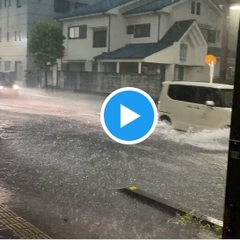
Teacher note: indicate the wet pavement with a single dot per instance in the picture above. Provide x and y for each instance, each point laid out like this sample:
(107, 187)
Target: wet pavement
(60, 171)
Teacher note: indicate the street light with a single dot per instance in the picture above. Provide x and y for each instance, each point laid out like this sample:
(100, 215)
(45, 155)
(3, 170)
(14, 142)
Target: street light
(234, 4)
(235, 7)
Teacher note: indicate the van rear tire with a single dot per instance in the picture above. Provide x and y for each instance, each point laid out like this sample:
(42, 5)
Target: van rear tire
(166, 120)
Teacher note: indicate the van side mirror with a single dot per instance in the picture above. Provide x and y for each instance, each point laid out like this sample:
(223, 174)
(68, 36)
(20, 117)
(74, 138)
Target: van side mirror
(210, 103)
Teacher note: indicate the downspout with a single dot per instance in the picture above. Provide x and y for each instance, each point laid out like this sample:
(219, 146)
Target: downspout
(159, 23)
(109, 32)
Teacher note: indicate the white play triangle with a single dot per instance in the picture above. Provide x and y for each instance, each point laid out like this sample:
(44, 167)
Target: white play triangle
(127, 116)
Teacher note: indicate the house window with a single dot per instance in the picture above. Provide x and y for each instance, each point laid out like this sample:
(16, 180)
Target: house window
(130, 29)
(83, 31)
(5, 3)
(0, 65)
(1, 4)
(142, 30)
(7, 65)
(8, 37)
(19, 3)
(218, 36)
(198, 8)
(100, 38)
(0, 34)
(79, 32)
(15, 36)
(193, 7)
(211, 36)
(73, 32)
(20, 36)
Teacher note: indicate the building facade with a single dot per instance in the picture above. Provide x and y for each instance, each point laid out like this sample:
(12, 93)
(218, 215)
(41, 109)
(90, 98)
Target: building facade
(16, 20)
(170, 37)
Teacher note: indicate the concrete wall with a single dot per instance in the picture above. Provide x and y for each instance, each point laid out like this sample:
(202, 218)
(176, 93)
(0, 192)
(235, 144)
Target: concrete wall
(109, 82)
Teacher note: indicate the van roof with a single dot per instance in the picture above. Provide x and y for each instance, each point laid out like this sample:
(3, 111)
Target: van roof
(200, 84)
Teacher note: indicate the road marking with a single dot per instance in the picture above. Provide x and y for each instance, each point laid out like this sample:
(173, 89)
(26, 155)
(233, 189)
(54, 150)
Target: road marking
(20, 226)
(133, 188)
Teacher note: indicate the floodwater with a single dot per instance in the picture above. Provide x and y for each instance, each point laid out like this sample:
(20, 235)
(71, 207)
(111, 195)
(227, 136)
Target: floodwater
(56, 156)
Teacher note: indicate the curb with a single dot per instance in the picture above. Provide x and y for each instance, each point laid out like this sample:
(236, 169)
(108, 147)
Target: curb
(20, 227)
(165, 205)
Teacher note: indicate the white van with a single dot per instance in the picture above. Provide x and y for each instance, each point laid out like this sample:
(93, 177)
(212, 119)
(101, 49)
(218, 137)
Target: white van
(196, 105)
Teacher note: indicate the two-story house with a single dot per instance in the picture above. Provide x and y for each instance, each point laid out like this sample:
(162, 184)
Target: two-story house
(16, 20)
(168, 37)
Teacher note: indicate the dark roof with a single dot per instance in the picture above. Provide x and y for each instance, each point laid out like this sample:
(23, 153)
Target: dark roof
(218, 2)
(140, 51)
(217, 52)
(177, 30)
(99, 7)
(134, 51)
(152, 6)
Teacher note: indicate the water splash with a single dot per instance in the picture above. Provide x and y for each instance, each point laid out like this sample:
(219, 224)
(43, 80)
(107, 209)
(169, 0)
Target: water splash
(206, 139)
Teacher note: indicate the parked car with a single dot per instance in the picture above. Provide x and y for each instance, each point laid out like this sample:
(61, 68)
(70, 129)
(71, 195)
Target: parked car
(196, 105)
(7, 86)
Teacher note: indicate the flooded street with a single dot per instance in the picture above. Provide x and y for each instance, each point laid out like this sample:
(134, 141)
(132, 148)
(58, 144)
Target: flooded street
(58, 168)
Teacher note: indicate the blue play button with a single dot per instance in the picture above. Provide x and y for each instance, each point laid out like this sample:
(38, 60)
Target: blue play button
(129, 116)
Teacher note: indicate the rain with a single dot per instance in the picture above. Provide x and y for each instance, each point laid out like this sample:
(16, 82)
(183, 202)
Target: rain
(71, 166)
(55, 154)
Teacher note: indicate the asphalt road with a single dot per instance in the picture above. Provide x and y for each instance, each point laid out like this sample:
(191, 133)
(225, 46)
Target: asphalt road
(59, 170)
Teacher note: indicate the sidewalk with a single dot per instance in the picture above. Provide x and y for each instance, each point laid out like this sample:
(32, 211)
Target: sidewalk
(14, 227)
(6, 233)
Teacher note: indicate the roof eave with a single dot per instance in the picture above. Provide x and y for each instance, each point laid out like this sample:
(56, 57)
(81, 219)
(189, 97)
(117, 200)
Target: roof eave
(121, 60)
(80, 16)
(137, 14)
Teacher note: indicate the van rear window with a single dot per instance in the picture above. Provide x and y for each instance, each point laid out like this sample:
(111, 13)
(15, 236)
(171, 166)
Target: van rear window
(194, 94)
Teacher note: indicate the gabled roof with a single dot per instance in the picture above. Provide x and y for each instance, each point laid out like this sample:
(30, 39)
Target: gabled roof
(101, 6)
(217, 52)
(152, 6)
(140, 51)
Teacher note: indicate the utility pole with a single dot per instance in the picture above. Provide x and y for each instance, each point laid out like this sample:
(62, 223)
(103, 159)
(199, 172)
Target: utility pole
(231, 224)
(224, 45)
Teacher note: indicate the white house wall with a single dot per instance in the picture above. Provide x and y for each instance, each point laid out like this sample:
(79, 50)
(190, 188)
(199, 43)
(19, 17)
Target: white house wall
(165, 56)
(82, 49)
(196, 51)
(145, 19)
(119, 37)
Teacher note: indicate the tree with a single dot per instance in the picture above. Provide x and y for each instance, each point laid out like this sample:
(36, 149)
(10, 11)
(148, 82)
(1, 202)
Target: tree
(46, 43)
